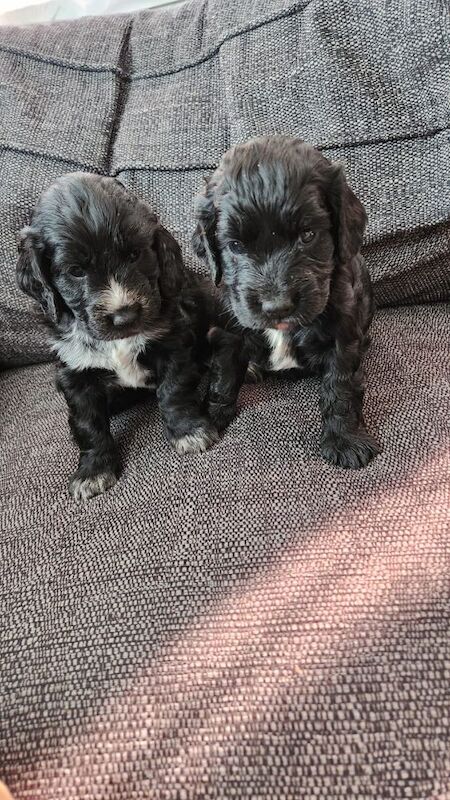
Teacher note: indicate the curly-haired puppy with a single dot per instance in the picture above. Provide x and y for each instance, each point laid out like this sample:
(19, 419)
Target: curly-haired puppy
(124, 315)
(280, 227)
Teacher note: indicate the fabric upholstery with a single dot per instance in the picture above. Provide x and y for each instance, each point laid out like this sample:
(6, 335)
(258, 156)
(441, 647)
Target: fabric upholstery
(251, 622)
(157, 97)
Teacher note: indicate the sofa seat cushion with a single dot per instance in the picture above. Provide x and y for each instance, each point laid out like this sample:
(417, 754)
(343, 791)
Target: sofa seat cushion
(247, 623)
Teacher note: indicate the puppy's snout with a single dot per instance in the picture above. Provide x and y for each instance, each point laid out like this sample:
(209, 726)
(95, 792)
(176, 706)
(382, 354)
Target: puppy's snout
(126, 316)
(278, 307)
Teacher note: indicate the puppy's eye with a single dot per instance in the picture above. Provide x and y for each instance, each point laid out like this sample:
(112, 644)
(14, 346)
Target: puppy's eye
(77, 272)
(236, 247)
(133, 256)
(307, 236)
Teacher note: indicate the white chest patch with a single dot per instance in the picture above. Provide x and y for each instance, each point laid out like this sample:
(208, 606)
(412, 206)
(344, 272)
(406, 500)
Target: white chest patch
(282, 350)
(79, 352)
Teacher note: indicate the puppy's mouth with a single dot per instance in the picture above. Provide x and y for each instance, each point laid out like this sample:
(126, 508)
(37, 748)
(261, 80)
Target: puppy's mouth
(300, 318)
(285, 326)
(112, 335)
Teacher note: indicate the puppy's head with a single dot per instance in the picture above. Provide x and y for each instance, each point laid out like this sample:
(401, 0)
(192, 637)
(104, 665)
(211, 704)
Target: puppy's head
(96, 252)
(276, 221)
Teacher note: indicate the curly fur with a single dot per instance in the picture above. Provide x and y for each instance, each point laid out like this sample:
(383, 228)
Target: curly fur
(123, 315)
(281, 230)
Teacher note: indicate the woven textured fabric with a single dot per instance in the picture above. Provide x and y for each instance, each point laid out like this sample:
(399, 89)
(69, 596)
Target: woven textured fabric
(156, 98)
(251, 622)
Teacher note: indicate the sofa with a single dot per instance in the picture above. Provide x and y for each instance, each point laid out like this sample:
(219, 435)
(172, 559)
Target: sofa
(250, 622)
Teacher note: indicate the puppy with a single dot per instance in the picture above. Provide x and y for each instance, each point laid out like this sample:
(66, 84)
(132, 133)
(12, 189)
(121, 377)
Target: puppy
(280, 227)
(124, 315)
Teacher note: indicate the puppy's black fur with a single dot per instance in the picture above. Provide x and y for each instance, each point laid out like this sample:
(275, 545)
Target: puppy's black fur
(124, 314)
(280, 227)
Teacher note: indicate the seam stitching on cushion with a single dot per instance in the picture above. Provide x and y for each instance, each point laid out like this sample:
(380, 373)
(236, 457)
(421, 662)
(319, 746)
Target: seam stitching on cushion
(60, 62)
(399, 137)
(51, 157)
(200, 167)
(299, 7)
(121, 95)
(412, 235)
(127, 76)
(327, 146)
(168, 168)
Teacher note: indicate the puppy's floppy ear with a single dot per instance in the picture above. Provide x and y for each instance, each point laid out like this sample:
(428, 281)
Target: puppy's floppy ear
(33, 274)
(171, 268)
(349, 216)
(204, 238)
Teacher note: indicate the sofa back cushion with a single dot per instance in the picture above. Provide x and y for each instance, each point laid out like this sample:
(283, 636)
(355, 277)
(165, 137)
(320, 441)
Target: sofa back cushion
(157, 97)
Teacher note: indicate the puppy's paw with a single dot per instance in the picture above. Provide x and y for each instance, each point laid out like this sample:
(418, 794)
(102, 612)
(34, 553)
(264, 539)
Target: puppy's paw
(83, 487)
(221, 414)
(219, 338)
(254, 373)
(350, 450)
(197, 441)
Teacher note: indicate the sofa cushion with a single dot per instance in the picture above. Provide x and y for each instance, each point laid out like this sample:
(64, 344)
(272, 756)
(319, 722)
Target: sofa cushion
(157, 97)
(251, 622)
(59, 90)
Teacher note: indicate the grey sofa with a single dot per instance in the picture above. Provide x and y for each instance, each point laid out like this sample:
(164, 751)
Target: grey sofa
(252, 622)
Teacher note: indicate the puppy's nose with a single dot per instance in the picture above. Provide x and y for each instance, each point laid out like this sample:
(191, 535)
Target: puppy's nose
(126, 316)
(278, 308)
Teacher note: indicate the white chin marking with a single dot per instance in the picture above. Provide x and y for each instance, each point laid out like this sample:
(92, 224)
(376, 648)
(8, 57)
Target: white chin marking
(82, 490)
(116, 296)
(282, 355)
(196, 442)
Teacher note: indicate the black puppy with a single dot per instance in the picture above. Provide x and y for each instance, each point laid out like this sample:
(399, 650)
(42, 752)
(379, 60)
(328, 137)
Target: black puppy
(124, 314)
(279, 225)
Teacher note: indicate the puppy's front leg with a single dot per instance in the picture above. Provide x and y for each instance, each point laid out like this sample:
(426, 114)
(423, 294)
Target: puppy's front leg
(345, 441)
(227, 371)
(89, 422)
(187, 428)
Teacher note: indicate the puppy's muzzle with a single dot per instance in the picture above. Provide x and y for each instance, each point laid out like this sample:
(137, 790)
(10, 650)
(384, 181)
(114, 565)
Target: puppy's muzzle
(271, 310)
(126, 316)
(278, 308)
